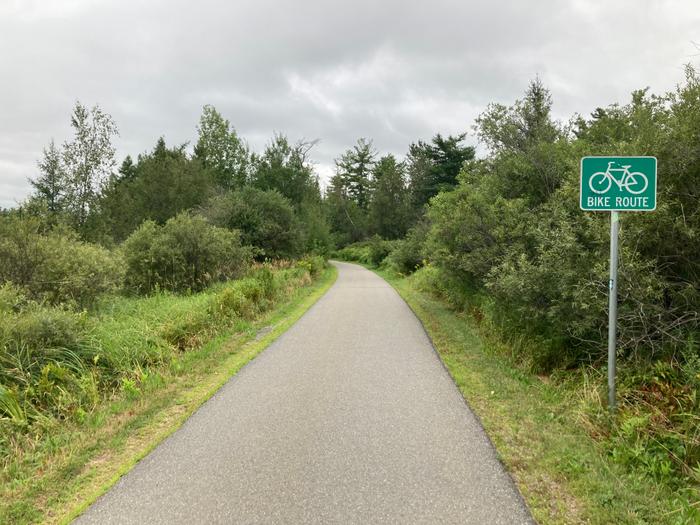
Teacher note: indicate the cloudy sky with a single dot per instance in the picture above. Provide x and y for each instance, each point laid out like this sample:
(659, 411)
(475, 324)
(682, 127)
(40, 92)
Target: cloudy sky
(395, 71)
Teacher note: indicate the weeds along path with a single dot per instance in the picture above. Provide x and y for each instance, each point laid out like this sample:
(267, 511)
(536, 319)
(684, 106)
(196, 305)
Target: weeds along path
(349, 417)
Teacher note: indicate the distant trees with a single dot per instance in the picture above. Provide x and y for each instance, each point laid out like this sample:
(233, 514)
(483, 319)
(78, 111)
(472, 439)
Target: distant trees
(286, 168)
(389, 207)
(72, 178)
(353, 172)
(221, 150)
(386, 197)
(433, 167)
(51, 185)
(158, 186)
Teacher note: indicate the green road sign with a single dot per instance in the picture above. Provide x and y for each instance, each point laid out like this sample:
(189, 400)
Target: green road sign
(618, 183)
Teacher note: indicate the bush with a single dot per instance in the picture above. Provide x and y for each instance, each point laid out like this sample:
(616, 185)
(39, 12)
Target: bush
(357, 252)
(265, 219)
(314, 264)
(44, 356)
(379, 249)
(408, 254)
(186, 253)
(55, 266)
(56, 363)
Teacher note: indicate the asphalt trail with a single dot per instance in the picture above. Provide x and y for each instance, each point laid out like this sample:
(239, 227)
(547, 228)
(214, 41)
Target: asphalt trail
(349, 417)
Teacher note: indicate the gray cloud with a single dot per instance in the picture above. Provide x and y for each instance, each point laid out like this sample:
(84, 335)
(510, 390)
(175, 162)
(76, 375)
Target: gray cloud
(393, 71)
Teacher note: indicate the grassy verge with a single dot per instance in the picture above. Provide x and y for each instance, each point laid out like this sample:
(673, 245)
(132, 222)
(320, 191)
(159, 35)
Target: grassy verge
(540, 430)
(53, 478)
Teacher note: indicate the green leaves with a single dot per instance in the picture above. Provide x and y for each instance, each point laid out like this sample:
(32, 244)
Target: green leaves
(186, 254)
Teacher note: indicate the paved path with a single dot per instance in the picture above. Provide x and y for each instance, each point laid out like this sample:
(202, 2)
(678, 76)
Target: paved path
(349, 417)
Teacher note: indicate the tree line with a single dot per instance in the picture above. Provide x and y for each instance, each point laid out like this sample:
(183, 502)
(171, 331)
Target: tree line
(507, 244)
(505, 226)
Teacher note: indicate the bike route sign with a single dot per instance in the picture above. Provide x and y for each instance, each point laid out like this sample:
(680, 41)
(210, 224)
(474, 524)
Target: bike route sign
(618, 183)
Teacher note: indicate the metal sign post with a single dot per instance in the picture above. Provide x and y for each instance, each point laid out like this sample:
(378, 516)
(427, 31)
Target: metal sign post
(616, 184)
(612, 307)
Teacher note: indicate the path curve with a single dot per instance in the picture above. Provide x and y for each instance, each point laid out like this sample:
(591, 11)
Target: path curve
(348, 417)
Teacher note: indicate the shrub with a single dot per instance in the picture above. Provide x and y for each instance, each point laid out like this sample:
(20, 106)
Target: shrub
(186, 253)
(357, 252)
(408, 254)
(265, 219)
(55, 266)
(379, 249)
(44, 353)
(314, 264)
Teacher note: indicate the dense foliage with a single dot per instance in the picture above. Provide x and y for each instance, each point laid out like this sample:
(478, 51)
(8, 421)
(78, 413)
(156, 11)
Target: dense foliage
(58, 363)
(265, 219)
(55, 266)
(500, 236)
(186, 253)
(505, 240)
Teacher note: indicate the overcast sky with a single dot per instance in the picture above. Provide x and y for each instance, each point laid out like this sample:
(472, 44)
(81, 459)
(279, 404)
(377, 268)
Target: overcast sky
(393, 71)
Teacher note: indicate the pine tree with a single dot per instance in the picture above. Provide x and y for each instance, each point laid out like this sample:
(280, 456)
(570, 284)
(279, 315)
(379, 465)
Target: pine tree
(50, 186)
(389, 207)
(354, 168)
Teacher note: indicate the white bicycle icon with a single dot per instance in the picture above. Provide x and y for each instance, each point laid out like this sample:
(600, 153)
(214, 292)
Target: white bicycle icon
(634, 182)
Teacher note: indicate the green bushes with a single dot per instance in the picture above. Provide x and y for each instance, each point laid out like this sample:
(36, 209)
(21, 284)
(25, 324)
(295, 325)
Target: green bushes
(372, 251)
(314, 264)
(510, 246)
(55, 266)
(58, 364)
(184, 254)
(379, 249)
(356, 252)
(265, 219)
(44, 360)
(408, 254)
(512, 231)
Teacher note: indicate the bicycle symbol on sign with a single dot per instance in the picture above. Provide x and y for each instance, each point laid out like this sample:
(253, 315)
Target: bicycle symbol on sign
(634, 182)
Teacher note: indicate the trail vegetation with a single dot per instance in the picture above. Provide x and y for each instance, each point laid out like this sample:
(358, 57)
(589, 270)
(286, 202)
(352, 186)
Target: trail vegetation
(111, 271)
(503, 241)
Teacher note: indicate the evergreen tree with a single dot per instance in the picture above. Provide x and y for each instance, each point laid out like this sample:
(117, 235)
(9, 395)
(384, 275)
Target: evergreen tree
(159, 186)
(433, 167)
(50, 186)
(354, 168)
(286, 168)
(347, 220)
(389, 207)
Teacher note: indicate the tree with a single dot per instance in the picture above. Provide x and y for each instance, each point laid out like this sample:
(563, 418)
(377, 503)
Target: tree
(160, 185)
(433, 167)
(88, 160)
(220, 149)
(389, 207)
(528, 148)
(286, 168)
(521, 126)
(266, 220)
(354, 169)
(50, 186)
(347, 220)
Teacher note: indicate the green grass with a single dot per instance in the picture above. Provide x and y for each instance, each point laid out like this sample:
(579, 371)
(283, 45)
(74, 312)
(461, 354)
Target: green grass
(51, 475)
(541, 430)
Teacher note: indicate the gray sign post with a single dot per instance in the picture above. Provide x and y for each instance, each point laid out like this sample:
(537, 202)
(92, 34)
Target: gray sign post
(612, 306)
(616, 184)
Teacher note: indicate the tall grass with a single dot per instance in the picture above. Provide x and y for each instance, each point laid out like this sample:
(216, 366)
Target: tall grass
(57, 364)
(656, 431)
